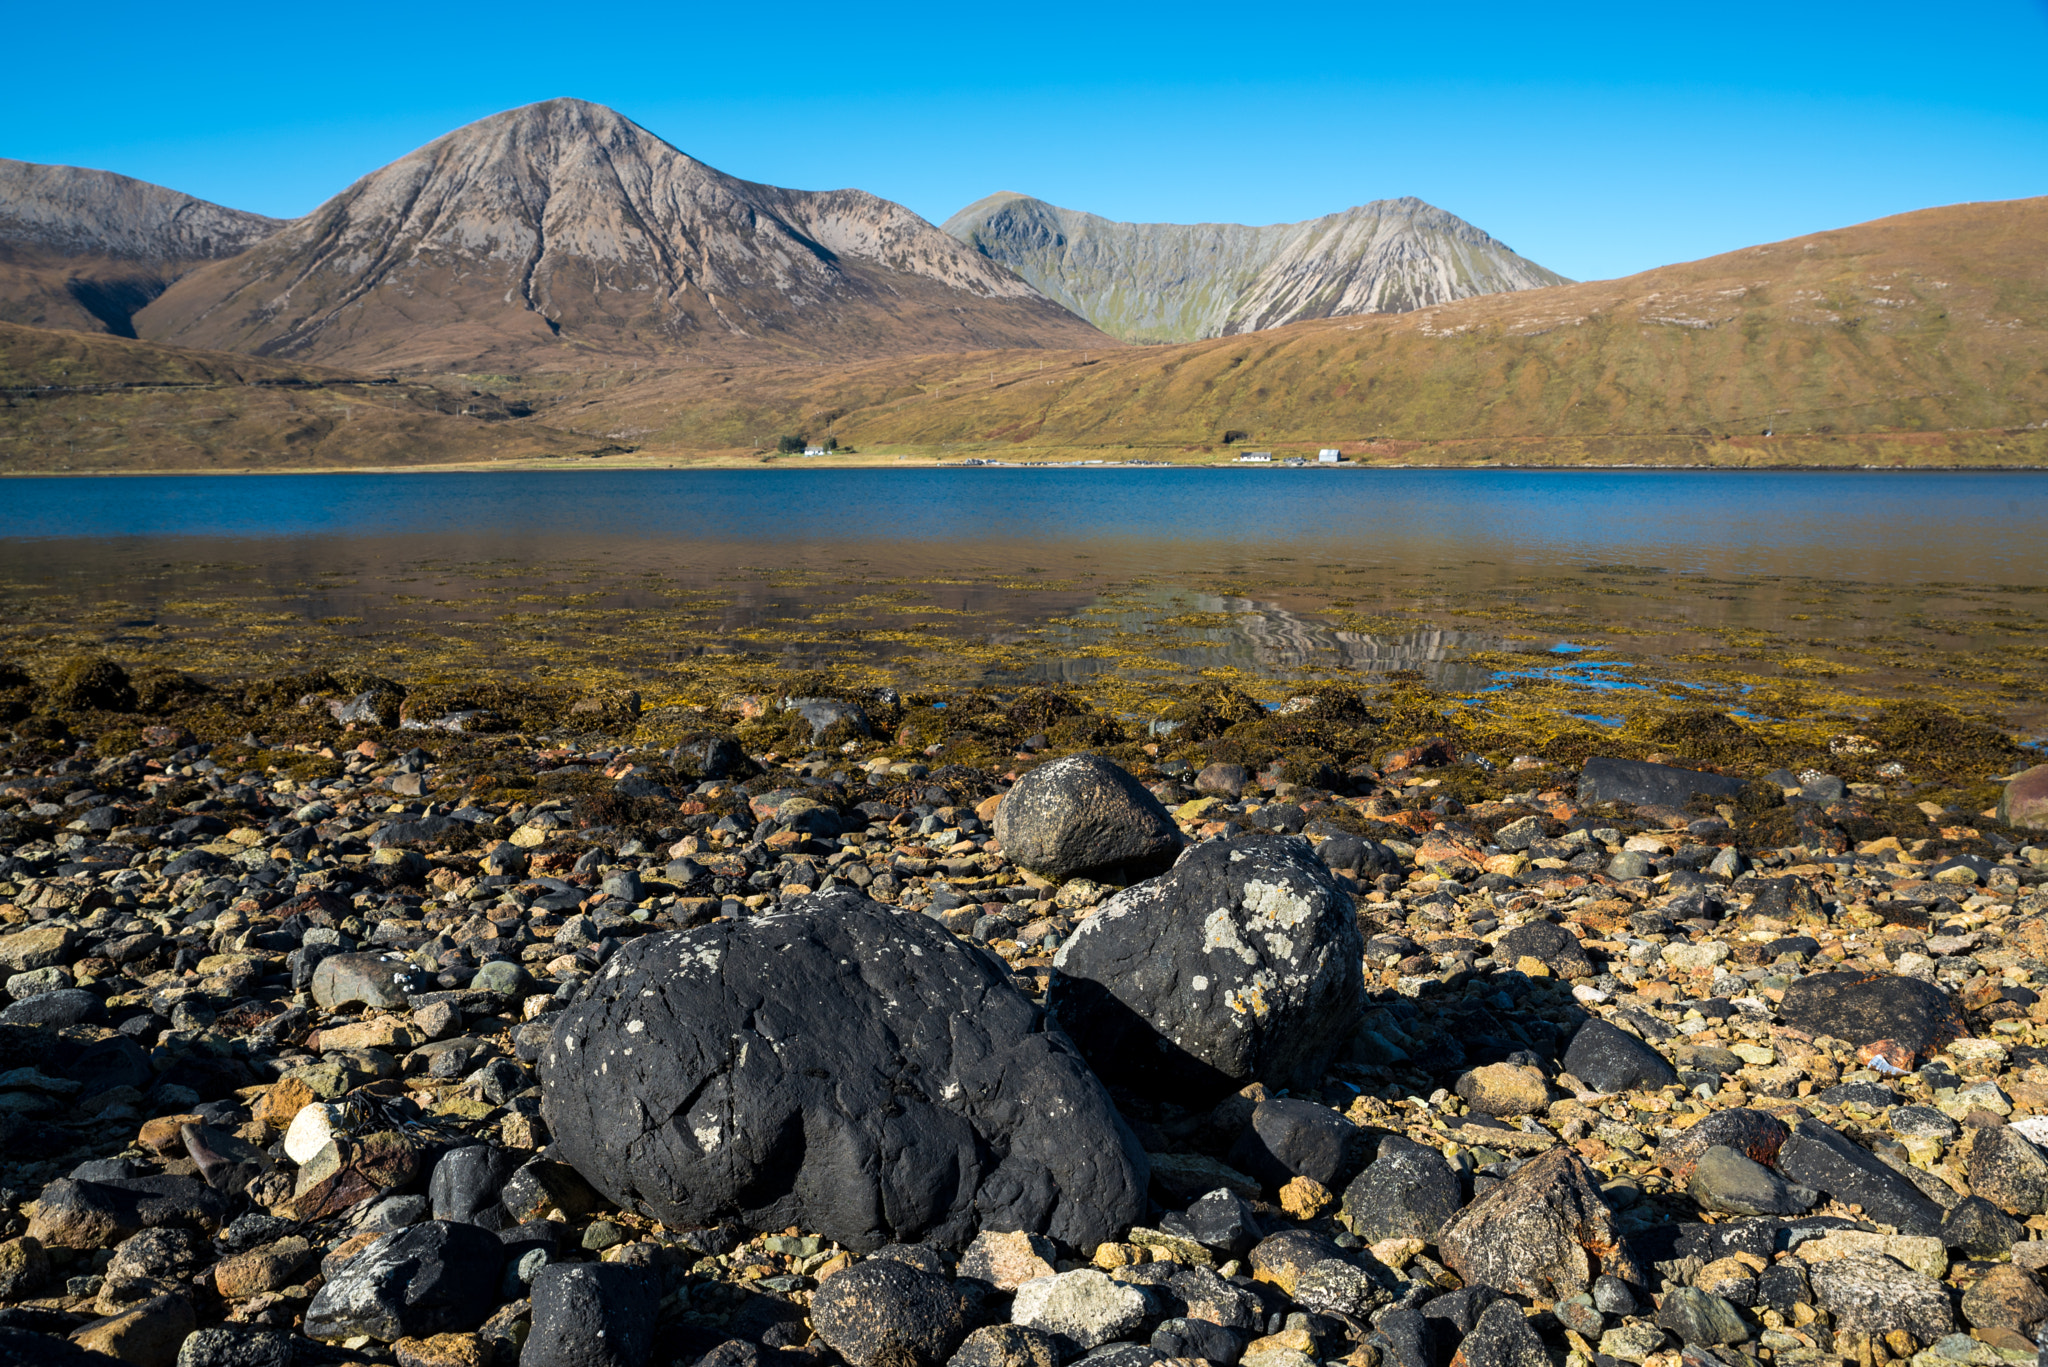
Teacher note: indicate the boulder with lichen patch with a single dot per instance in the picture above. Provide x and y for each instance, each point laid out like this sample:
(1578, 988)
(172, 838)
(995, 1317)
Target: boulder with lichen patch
(1082, 816)
(840, 1067)
(1242, 964)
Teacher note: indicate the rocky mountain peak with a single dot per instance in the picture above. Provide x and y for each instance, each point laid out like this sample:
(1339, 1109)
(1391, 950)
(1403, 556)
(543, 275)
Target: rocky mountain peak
(566, 220)
(71, 211)
(1167, 282)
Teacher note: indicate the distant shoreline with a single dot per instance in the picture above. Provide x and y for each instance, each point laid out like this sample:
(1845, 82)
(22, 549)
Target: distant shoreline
(613, 464)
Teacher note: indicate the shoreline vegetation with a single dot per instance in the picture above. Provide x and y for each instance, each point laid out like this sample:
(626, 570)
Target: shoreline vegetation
(1906, 452)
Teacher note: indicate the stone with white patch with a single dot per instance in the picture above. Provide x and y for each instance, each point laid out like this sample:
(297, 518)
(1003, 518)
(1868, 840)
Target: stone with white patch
(1084, 816)
(902, 1090)
(1243, 963)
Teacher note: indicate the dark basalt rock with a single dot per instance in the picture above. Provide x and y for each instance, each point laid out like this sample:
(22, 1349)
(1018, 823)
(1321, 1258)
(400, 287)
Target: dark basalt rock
(1609, 1059)
(1861, 1008)
(1408, 1191)
(592, 1315)
(1641, 784)
(434, 1278)
(1221, 1220)
(1290, 1138)
(840, 1067)
(888, 1312)
(1083, 816)
(1819, 1157)
(1243, 963)
(1556, 947)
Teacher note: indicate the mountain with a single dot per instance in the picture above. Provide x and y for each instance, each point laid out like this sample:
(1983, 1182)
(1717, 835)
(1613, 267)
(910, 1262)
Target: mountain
(1928, 330)
(1181, 282)
(1920, 339)
(562, 233)
(84, 250)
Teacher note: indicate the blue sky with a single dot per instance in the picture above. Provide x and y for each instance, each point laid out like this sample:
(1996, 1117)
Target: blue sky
(1597, 139)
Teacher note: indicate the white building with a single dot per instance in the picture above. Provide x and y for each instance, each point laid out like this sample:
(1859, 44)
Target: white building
(1256, 458)
(1329, 455)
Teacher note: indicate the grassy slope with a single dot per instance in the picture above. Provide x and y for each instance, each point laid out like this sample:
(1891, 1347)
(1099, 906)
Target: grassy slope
(172, 408)
(1920, 324)
(1916, 339)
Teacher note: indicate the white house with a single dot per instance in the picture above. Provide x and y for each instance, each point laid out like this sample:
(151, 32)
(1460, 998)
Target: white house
(1256, 458)
(814, 450)
(1329, 455)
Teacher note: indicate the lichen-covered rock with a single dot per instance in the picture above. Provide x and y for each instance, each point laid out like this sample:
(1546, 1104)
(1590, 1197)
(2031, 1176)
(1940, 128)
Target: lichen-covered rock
(2008, 1171)
(1546, 1232)
(1083, 816)
(1080, 1310)
(1871, 1294)
(1244, 963)
(886, 1311)
(842, 1068)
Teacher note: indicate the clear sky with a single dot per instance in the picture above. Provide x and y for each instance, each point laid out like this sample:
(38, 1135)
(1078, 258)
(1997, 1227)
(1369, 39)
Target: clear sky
(1597, 139)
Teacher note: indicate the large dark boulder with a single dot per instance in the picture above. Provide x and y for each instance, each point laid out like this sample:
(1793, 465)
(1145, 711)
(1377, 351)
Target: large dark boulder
(1084, 816)
(1244, 963)
(841, 1067)
(1643, 784)
(1866, 1008)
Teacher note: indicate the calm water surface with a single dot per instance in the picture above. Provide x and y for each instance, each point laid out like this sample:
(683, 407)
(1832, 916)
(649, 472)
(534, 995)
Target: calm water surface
(1878, 582)
(1898, 526)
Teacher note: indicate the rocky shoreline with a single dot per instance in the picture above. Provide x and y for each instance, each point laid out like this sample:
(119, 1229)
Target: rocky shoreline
(459, 1026)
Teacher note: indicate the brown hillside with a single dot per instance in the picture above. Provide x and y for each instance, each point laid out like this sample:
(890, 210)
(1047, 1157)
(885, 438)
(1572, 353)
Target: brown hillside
(1916, 339)
(85, 249)
(1924, 322)
(563, 235)
(81, 401)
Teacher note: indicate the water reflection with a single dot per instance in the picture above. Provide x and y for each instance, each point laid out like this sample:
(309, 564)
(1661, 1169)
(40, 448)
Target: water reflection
(1830, 582)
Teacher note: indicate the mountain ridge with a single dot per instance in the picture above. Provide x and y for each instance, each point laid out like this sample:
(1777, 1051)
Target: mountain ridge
(1180, 282)
(563, 227)
(84, 250)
